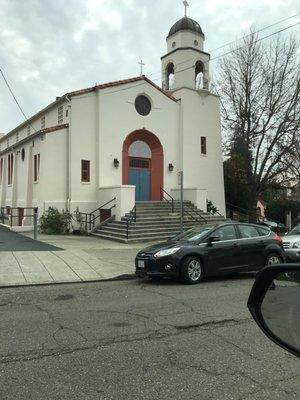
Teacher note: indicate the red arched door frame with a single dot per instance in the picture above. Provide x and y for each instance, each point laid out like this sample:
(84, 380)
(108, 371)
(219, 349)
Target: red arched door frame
(157, 160)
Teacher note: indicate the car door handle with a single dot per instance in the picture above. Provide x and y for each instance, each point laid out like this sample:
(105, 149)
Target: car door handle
(235, 245)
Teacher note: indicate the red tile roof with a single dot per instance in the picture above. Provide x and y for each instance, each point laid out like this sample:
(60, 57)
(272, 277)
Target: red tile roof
(118, 83)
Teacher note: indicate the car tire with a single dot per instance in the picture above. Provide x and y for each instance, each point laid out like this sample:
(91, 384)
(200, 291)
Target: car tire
(191, 270)
(273, 259)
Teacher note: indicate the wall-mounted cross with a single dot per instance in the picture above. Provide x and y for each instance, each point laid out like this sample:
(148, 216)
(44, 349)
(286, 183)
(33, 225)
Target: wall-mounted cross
(186, 4)
(141, 64)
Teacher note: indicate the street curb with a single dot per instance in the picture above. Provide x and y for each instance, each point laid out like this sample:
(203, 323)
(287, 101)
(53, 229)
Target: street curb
(124, 277)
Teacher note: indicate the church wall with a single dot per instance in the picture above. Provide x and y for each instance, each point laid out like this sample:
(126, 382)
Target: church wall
(84, 138)
(118, 118)
(201, 117)
(51, 191)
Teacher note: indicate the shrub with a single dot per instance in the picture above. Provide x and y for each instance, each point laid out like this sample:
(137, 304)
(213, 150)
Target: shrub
(54, 222)
(211, 209)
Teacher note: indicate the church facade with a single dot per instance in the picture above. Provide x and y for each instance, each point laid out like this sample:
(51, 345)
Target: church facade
(126, 140)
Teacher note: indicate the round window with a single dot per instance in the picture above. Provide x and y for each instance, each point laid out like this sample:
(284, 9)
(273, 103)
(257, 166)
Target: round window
(142, 105)
(23, 154)
(173, 44)
(196, 42)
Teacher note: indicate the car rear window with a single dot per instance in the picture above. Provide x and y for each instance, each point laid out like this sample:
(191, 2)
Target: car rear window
(248, 231)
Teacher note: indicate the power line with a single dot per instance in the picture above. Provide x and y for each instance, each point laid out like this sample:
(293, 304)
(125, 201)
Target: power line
(14, 97)
(236, 41)
(185, 69)
(260, 30)
(215, 58)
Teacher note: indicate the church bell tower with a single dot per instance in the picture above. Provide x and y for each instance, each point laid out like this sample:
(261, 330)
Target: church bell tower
(186, 64)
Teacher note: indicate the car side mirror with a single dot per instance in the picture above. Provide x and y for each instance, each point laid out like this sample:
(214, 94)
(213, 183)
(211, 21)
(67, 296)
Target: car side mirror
(274, 303)
(212, 239)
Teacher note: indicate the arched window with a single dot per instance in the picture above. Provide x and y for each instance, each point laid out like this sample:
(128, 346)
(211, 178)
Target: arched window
(199, 75)
(170, 78)
(139, 149)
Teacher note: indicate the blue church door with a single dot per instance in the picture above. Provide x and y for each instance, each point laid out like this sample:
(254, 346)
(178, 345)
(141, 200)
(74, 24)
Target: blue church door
(139, 176)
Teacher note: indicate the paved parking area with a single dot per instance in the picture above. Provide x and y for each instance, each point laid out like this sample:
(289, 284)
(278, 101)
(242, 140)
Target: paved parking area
(12, 241)
(61, 259)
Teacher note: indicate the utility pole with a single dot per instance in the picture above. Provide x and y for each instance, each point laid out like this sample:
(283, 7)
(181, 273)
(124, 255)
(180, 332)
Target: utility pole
(181, 199)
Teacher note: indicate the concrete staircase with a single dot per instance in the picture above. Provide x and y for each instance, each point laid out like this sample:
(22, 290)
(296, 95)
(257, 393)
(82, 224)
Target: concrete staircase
(154, 221)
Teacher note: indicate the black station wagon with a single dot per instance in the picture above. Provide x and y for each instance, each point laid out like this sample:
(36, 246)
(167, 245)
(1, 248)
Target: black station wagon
(209, 250)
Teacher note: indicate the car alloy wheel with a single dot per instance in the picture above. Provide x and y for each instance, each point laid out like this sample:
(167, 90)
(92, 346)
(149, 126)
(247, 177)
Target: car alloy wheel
(192, 270)
(273, 259)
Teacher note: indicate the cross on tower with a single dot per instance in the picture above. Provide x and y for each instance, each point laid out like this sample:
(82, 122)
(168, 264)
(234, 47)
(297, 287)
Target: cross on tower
(141, 64)
(186, 4)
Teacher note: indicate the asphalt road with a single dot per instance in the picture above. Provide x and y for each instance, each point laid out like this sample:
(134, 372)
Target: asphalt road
(13, 241)
(139, 340)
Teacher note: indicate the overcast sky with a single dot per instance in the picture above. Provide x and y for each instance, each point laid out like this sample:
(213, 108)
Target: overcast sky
(49, 47)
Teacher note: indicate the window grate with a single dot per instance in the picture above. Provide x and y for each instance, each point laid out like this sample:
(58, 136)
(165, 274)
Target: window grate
(43, 122)
(139, 163)
(60, 114)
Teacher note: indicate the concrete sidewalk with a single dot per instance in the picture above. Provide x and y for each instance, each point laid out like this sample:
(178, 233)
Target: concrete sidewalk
(81, 259)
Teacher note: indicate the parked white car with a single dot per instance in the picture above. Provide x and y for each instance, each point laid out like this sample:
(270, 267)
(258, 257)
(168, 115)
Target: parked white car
(291, 243)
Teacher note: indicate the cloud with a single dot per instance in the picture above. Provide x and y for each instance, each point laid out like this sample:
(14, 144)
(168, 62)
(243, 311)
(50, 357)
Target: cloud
(50, 47)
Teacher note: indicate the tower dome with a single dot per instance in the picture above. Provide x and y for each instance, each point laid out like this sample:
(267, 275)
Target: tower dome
(186, 24)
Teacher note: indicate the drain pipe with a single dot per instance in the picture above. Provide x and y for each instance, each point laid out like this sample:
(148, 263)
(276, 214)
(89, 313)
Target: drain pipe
(69, 193)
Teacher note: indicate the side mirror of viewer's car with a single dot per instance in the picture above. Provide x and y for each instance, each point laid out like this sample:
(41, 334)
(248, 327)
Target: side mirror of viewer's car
(274, 303)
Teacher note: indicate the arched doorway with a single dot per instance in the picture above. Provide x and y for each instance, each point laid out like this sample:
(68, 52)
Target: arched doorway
(142, 164)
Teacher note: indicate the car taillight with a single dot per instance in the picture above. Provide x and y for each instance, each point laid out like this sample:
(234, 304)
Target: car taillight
(278, 240)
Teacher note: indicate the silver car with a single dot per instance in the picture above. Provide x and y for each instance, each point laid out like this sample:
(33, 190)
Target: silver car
(291, 244)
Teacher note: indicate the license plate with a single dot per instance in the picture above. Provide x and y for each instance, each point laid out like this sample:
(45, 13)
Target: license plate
(141, 263)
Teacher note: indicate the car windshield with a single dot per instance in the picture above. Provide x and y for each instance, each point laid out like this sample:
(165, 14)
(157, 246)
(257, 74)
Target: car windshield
(294, 231)
(195, 233)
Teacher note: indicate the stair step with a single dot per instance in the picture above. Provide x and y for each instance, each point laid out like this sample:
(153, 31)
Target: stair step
(155, 221)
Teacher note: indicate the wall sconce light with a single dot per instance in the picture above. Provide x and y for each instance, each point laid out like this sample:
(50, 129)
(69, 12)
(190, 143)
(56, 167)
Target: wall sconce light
(171, 167)
(116, 163)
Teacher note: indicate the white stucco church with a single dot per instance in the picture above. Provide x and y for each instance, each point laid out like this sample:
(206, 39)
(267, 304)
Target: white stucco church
(124, 139)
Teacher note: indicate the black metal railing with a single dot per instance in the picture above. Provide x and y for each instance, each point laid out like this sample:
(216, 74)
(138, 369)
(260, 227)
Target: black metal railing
(10, 214)
(194, 213)
(131, 218)
(89, 219)
(165, 196)
(241, 214)
(188, 209)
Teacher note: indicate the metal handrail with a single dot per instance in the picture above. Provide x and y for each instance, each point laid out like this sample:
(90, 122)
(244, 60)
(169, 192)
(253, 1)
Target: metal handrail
(202, 219)
(129, 219)
(11, 215)
(91, 217)
(246, 213)
(185, 205)
(162, 197)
